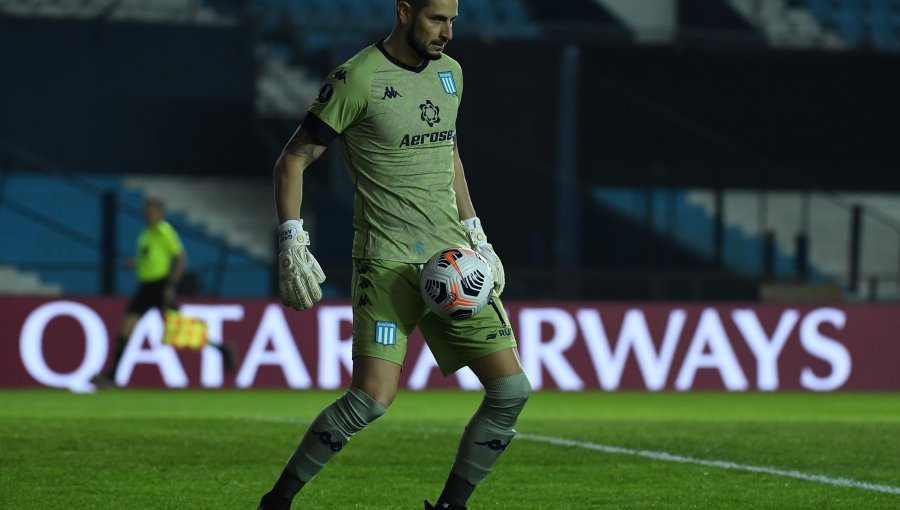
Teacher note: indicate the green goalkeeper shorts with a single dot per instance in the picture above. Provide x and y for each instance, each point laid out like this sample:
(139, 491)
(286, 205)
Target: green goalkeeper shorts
(387, 308)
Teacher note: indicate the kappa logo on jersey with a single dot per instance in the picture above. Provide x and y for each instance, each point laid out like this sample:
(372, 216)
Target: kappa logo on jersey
(390, 93)
(325, 93)
(431, 113)
(448, 82)
(341, 75)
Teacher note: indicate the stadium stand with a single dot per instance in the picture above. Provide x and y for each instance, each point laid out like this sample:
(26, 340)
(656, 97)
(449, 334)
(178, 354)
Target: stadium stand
(875, 23)
(671, 105)
(14, 281)
(155, 11)
(233, 209)
(301, 39)
(687, 216)
(678, 218)
(52, 228)
(788, 24)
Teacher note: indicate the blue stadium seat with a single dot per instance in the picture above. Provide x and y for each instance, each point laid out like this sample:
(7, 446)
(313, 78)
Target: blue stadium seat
(512, 12)
(821, 9)
(862, 21)
(482, 13)
(70, 256)
(884, 23)
(691, 227)
(848, 17)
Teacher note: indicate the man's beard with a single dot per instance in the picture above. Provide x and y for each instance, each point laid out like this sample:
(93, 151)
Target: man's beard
(420, 49)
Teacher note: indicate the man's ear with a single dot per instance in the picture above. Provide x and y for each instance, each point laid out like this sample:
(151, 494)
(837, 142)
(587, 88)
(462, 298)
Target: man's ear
(404, 12)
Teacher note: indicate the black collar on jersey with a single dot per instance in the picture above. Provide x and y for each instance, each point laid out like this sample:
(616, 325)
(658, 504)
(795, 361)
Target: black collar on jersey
(380, 46)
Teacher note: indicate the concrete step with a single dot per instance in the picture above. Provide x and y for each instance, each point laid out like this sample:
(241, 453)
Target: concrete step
(240, 210)
(23, 283)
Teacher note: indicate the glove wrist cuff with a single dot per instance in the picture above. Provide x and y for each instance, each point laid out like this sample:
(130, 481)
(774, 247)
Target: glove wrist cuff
(297, 223)
(291, 233)
(474, 231)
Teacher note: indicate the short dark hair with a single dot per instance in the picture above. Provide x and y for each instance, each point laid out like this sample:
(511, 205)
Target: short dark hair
(155, 202)
(418, 5)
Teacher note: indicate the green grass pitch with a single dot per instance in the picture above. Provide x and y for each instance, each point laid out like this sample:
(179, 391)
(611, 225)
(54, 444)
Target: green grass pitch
(145, 449)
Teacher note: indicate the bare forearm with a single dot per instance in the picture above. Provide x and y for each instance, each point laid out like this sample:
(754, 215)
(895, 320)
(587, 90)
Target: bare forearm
(177, 271)
(288, 180)
(300, 152)
(463, 199)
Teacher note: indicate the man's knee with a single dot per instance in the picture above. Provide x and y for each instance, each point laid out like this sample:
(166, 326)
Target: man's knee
(506, 396)
(356, 409)
(377, 378)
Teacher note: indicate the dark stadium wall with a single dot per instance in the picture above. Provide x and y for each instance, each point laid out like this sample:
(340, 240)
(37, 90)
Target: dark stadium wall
(686, 116)
(128, 97)
(673, 116)
(507, 138)
(740, 118)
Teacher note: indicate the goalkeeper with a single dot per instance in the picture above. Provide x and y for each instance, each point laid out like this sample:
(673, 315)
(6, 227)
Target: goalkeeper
(394, 107)
(159, 264)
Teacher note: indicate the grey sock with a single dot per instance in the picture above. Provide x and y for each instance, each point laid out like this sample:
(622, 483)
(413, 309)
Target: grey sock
(331, 430)
(491, 428)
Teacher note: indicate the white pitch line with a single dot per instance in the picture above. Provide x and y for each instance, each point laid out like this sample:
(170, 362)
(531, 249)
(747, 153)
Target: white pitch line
(837, 482)
(668, 457)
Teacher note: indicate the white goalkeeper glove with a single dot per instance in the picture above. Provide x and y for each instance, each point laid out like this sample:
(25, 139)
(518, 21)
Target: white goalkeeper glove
(479, 243)
(299, 274)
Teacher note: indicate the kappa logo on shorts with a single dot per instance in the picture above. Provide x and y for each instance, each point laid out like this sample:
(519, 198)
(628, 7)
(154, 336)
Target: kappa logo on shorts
(385, 333)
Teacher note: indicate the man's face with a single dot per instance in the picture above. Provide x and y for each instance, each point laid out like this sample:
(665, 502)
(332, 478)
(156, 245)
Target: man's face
(432, 28)
(152, 213)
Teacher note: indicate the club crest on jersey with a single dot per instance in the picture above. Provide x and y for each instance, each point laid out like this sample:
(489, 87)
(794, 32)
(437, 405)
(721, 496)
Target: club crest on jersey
(385, 333)
(448, 82)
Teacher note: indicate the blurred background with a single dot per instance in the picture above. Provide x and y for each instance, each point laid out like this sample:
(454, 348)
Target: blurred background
(616, 149)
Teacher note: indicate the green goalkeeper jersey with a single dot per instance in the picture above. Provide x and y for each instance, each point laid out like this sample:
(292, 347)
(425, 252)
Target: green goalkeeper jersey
(396, 125)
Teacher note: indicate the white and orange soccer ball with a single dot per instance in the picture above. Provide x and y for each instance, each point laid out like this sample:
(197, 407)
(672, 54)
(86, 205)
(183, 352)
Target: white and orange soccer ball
(456, 283)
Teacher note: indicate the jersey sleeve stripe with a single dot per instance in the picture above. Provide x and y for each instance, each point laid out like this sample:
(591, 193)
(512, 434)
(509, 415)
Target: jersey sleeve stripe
(319, 129)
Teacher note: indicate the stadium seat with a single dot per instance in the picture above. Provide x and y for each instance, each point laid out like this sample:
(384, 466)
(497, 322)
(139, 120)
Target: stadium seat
(70, 256)
(876, 22)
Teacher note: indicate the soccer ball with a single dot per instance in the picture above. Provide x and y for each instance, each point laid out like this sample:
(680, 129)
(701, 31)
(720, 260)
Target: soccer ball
(456, 283)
